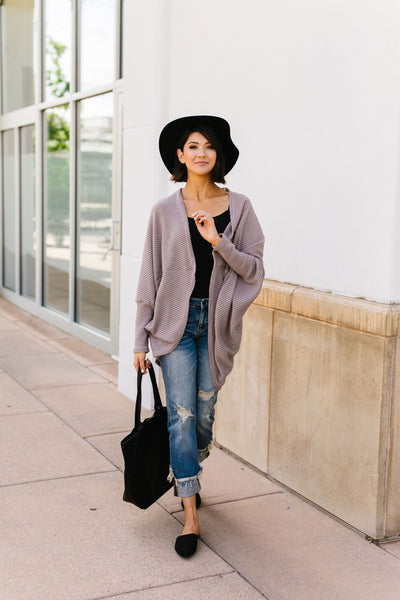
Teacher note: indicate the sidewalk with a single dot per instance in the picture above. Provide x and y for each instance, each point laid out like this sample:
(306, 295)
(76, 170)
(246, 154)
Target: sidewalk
(66, 534)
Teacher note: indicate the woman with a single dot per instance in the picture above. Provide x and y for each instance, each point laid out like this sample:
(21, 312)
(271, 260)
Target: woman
(202, 268)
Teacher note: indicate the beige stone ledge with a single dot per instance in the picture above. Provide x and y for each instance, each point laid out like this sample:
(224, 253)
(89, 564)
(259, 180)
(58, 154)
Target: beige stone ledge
(276, 295)
(355, 313)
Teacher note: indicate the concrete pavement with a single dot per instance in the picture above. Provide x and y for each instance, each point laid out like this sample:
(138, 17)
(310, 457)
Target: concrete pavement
(66, 534)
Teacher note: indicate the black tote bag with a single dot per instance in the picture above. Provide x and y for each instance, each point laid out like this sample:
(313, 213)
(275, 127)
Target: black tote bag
(146, 452)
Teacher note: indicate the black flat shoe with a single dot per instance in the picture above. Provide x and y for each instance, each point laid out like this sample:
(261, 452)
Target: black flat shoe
(198, 500)
(186, 545)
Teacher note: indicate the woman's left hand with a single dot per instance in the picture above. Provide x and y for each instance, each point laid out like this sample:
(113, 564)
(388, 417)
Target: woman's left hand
(206, 226)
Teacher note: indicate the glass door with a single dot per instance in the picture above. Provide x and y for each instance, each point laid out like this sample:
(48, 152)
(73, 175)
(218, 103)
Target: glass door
(94, 212)
(56, 209)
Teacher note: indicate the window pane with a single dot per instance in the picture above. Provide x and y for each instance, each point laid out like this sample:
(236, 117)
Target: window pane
(18, 48)
(97, 43)
(94, 211)
(57, 240)
(28, 213)
(58, 47)
(9, 210)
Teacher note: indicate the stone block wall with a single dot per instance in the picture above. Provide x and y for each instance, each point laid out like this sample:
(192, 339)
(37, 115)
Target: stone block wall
(312, 401)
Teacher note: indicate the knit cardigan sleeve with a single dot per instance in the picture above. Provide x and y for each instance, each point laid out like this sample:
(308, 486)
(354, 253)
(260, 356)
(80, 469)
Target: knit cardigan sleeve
(248, 261)
(147, 287)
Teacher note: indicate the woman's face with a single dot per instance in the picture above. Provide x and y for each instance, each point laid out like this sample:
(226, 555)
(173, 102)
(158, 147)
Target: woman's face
(198, 154)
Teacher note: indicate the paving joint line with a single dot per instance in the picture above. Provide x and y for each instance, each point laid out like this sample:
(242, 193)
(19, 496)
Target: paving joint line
(388, 552)
(234, 500)
(155, 587)
(112, 362)
(67, 385)
(85, 437)
(18, 355)
(57, 478)
(28, 412)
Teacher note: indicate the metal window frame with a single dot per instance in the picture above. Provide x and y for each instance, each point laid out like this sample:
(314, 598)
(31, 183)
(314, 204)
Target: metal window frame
(17, 209)
(1, 62)
(21, 271)
(1, 209)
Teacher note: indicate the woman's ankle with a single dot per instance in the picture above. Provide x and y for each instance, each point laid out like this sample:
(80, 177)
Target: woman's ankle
(189, 503)
(191, 526)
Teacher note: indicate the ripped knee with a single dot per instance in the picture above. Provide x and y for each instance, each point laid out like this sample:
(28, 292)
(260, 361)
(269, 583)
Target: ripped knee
(204, 395)
(183, 412)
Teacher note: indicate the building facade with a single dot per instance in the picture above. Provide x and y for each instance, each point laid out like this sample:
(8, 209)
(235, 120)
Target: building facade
(312, 92)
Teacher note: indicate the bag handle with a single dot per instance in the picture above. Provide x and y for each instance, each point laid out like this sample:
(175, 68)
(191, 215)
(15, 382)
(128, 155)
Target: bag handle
(157, 399)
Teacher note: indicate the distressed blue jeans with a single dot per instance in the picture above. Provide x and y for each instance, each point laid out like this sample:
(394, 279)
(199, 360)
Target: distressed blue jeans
(191, 399)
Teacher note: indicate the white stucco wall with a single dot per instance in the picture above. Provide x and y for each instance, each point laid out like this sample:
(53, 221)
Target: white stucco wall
(312, 92)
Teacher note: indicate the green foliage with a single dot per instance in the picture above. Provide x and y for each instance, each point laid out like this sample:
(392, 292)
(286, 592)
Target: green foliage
(58, 128)
(57, 131)
(56, 79)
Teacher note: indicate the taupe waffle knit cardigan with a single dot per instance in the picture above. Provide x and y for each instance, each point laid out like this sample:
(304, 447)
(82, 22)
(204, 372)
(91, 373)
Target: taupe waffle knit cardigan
(167, 279)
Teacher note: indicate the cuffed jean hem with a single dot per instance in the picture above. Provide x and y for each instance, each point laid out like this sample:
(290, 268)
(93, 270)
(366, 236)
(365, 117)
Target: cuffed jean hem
(188, 486)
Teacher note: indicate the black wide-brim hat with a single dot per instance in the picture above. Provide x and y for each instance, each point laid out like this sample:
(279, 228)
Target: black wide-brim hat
(169, 138)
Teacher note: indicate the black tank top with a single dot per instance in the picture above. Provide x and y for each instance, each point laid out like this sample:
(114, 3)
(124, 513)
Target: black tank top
(203, 254)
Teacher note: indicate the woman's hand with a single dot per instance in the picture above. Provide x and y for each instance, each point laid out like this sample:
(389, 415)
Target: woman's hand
(139, 361)
(206, 226)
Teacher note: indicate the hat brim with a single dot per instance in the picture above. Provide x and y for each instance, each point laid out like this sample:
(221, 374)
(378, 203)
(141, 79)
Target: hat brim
(169, 138)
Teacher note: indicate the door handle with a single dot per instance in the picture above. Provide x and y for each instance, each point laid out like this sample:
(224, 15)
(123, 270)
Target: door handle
(115, 234)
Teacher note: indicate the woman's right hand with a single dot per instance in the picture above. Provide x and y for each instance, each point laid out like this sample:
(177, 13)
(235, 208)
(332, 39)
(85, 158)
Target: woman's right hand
(139, 361)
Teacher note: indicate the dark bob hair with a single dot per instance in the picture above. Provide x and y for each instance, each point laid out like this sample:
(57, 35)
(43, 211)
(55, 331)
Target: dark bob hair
(217, 175)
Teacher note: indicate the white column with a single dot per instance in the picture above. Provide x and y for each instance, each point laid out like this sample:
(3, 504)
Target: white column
(145, 109)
